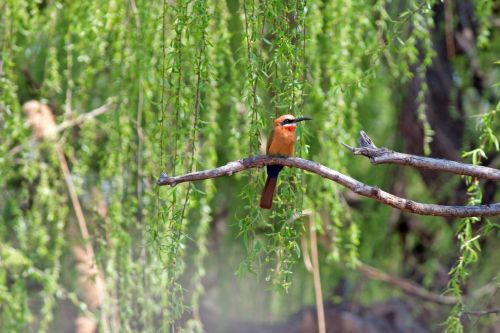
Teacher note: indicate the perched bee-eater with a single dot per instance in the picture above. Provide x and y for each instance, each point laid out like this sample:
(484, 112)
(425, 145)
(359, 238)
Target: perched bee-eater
(280, 143)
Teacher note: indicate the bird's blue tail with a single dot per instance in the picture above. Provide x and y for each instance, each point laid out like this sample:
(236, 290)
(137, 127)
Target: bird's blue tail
(274, 170)
(266, 199)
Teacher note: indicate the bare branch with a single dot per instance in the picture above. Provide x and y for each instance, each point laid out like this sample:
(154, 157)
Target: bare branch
(63, 126)
(84, 117)
(411, 288)
(482, 312)
(351, 183)
(407, 286)
(387, 156)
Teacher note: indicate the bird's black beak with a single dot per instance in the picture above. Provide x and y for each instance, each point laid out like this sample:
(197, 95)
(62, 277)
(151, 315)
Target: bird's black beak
(302, 119)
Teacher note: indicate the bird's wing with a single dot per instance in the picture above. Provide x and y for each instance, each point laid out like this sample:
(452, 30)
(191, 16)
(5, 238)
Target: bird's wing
(269, 140)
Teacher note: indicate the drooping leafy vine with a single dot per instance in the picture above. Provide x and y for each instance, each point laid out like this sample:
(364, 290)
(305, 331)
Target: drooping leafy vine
(468, 240)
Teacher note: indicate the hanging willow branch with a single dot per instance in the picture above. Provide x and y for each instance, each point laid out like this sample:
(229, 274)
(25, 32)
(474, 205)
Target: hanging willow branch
(368, 149)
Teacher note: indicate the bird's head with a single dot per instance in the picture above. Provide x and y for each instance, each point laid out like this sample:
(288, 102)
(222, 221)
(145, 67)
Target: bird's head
(288, 121)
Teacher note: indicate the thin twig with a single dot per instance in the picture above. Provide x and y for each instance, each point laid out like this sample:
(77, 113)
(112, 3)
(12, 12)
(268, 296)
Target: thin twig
(305, 253)
(317, 279)
(488, 289)
(84, 117)
(65, 125)
(407, 286)
(482, 312)
(346, 181)
(80, 217)
(312, 265)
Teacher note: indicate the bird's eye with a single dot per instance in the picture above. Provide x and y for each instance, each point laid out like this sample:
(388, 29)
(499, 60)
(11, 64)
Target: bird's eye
(286, 121)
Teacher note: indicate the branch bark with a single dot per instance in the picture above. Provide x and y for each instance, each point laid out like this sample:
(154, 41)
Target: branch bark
(344, 180)
(387, 156)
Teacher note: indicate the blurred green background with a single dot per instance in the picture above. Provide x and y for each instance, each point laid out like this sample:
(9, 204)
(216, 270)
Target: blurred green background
(189, 85)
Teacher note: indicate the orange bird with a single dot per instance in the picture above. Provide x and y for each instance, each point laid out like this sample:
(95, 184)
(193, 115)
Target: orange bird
(280, 143)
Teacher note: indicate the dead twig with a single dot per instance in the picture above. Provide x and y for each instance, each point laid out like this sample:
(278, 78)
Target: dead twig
(44, 131)
(84, 117)
(482, 312)
(317, 279)
(313, 266)
(406, 286)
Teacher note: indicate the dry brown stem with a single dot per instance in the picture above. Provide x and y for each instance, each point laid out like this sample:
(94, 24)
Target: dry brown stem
(407, 286)
(311, 262)
(42, 121)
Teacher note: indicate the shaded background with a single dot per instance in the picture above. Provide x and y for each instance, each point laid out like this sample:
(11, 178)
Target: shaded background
(189, 85)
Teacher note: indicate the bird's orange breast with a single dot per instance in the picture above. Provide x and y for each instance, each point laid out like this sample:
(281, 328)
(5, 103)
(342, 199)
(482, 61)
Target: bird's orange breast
(282, 142)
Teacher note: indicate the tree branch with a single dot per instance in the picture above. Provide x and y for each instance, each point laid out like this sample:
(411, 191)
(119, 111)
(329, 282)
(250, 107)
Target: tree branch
(85, 117)
(407, 286)
(387, 156)
(65, 125)
(346, 181)
(482, 312)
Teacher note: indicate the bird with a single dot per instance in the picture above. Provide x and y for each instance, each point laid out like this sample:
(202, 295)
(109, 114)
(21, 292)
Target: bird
(281, 143)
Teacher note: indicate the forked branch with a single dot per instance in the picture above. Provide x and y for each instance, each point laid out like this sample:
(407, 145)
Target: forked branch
(387, 156)
(367, 149)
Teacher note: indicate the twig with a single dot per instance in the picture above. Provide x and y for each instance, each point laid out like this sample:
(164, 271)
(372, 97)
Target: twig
(482, 312)
(42, 121)
(82, 224)
(89, 272)
(312, 266)
(413, 289)
(317, 279)
(407, 286)
(387, 156)
(351, 183)
(488, 289)
(305, 252)
(84, 117)
(65, 125)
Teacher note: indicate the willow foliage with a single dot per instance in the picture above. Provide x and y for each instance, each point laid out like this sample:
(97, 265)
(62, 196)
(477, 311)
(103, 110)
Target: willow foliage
(193, 84)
